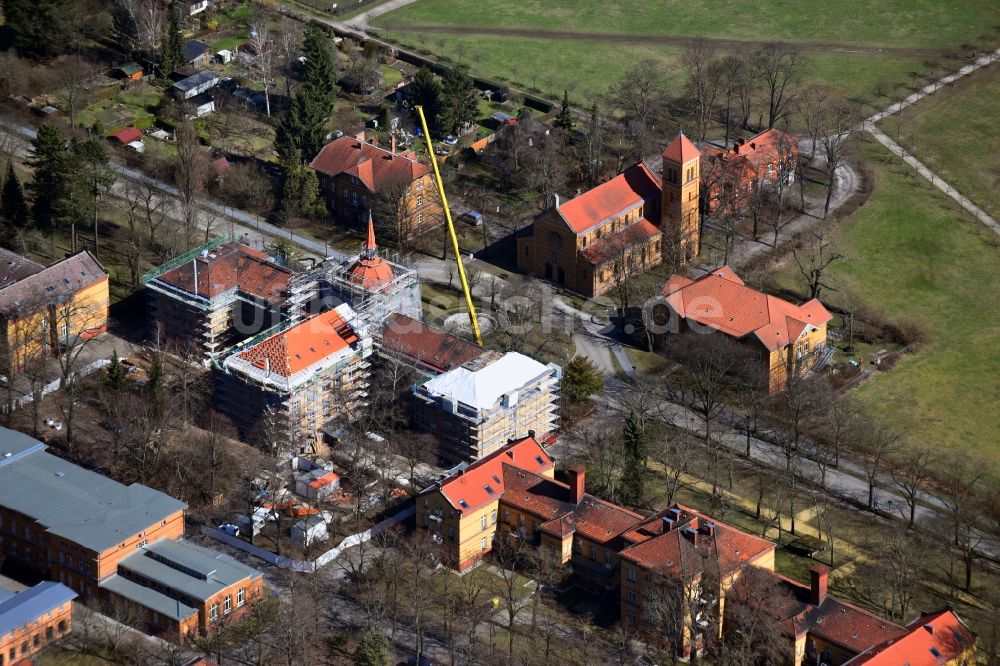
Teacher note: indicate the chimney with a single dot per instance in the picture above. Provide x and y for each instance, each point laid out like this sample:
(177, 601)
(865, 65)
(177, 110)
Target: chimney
(531, 434)
(392, 145)
(577, 475)
(818, 577)
(555, 201)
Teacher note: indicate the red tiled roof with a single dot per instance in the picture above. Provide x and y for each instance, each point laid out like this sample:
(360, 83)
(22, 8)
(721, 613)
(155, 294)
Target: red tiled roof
(721, 300)
(432, 347)
(14, 267)
(607, 248)
(228, 266)
(943, 632)
(681, 150)
(467, 490)
(55, 284)
(609, 200)
(374, 166)
(371, 271)
(126, 135)
(602, 521)
(668, 548)
(747, 155)
(835, 621)
(302, 345)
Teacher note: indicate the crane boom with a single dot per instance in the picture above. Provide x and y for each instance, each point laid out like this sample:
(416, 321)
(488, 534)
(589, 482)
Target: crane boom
(473, 318)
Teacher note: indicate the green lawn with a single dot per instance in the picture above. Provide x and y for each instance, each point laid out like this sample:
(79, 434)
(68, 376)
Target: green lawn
(955, 133)
(912, 255)
(586, 67)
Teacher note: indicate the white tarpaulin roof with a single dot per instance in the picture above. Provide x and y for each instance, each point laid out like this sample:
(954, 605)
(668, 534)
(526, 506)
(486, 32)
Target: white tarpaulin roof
(482, 388)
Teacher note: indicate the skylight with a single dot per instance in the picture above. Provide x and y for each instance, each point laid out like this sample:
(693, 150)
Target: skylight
(462, 503)
(489, 489)
(497, 479)
(539, 459)
(934, 651)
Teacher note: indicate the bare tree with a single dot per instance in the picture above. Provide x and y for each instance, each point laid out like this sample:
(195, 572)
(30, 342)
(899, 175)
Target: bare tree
(641, 97)
(780, 68)
(814, 260)
(961, 495)
(841, 123)
(704, 78)
(394, 210)
(191, 172)
(746, 79)
(911, 477)
(874, 443)
(813, 106)
(260, 65)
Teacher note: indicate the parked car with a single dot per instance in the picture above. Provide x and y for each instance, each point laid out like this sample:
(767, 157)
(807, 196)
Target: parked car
(473, 217)
(230, 529)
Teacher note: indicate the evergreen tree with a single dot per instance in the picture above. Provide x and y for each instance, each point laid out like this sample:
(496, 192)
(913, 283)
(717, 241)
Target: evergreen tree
(155, 383)
(48, 187)
(633, 439)
(427, 93)
(565, 118)
(581, 379)
(301, 134)
(459, 100)
(35, 25)
(373, 650)
(172, 48)
(115, 379)
(15, 209)
(319, 78)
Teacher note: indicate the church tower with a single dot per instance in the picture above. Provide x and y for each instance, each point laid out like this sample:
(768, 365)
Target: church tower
(679, 206)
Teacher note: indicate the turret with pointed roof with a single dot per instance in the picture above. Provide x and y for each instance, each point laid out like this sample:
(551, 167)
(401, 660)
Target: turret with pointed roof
(681, 181)
(370, 270)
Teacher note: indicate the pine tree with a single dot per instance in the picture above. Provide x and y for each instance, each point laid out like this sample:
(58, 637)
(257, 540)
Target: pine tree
(427, 93)
(172, 49)
(319, 78)
(633, 441)
(373, 650)
(48, 187)
(581, 379)
(155, 383)
(15, 209)
(459, 100)
(35, 25)
(565, 118)
(115, 379)
(301, 133)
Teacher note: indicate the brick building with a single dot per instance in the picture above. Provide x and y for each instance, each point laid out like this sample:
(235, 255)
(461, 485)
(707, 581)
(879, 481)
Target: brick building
(216, 294)
(95, 535)
(478, 407)
(302, 375)
(729, 176)
(42, 308)
(32, 620)
(618, 228)
(785, 339)
(352, 173)
(932, 639)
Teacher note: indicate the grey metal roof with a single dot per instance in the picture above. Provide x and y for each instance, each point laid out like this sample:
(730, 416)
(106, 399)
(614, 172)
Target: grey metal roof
(87, 508)
(148, 598)
(190, 570)
(23, 607)
(195, 80)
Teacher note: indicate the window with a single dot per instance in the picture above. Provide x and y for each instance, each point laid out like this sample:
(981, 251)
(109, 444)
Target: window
(227, 605)
(631, 575)
(24, 648)
(630, 595)
(482, 522)
(493, 517)
(451, 532)
(506, 515)
(241, 597)
(214, 613)
(482, 544)
(61, 626)
(48, 633)
(593, 553)
(36, 641)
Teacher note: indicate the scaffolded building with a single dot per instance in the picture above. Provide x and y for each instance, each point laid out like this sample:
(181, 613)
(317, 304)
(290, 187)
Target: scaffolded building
(219, 293)
(296, 377)
(478, 407)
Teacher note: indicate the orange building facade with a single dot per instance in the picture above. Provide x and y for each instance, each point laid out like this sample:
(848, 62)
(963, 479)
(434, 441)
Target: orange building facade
(32, 620)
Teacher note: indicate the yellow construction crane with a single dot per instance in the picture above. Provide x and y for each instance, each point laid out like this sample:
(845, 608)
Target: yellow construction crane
(473, 319)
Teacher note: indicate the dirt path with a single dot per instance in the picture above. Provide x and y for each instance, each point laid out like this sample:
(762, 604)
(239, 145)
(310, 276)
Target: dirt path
(662, 40)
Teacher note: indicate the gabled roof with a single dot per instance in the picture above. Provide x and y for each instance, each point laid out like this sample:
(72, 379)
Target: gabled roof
(931, 639)
(415, 341)
(14, 267)
(193, 49)
(833, 620)
(231, 266)
(195, 80)
(681, 150)
(373, 166)
(481, 388)
(51, 286)
(303, 345)
(126, 135)
(610, 199)
(720, 300)
(682, 541)
(17, 610)
(609, 247)
(482, 482)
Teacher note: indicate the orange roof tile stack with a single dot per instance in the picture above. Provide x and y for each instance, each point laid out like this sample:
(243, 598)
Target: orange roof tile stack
(721, 301)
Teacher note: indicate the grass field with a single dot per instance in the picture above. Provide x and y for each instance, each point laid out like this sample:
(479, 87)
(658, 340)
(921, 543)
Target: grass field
(912, 255)
(954, 132)
(585, 67)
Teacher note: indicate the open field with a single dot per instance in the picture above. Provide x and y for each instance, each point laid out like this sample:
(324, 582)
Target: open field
(913, 256)
(583, 45)
(954, 133)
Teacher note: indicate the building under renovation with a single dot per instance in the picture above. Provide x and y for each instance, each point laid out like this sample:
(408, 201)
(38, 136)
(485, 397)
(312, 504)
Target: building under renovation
(479, 406)
(218, 294)
(292, 380)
